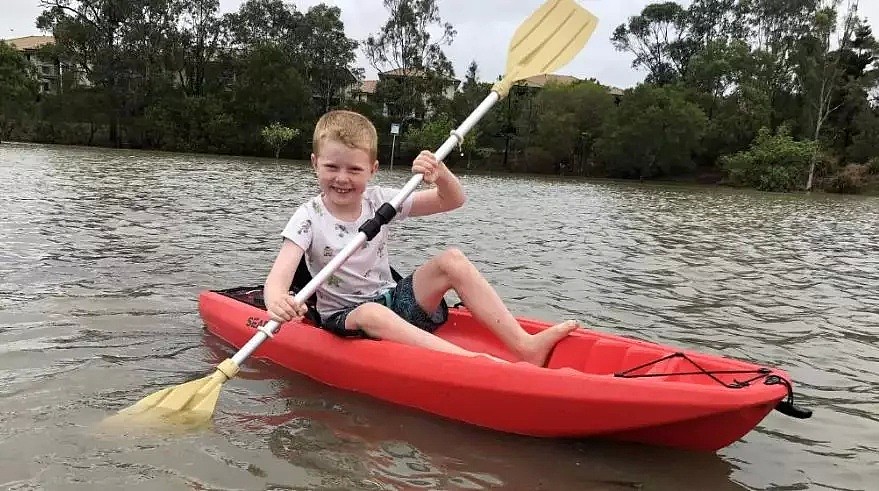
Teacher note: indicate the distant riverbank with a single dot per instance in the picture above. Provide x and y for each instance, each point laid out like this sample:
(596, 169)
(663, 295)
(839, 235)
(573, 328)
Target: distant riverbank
(493, 165)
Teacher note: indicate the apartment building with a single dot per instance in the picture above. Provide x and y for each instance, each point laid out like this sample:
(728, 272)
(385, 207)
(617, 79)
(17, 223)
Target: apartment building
(48, 70)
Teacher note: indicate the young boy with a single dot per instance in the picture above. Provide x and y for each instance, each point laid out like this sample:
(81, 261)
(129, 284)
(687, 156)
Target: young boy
(361, 297)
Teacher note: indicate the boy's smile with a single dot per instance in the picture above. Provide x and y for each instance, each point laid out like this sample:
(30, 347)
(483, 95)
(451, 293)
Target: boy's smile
(343, 173)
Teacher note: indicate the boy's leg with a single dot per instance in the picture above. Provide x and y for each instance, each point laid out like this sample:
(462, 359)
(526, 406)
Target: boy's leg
(381, 322)
(452, 270)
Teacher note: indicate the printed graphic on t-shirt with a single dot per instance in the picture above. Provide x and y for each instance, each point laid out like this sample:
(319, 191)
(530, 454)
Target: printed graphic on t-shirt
(366, 273)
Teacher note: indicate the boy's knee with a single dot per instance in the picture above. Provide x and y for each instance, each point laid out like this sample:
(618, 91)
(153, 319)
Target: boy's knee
(452, 260)
(368, 317)
(453, 255)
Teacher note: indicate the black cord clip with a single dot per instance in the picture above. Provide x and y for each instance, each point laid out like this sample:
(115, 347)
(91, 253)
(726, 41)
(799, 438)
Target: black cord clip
(385, 213)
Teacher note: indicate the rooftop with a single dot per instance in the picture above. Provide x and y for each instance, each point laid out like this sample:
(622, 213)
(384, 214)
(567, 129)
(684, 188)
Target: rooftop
(30, 42)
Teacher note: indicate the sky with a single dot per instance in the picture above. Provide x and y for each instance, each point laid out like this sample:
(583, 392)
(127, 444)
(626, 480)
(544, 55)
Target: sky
(484, 28)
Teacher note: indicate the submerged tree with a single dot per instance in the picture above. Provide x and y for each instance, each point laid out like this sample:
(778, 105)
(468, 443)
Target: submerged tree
(277, 135)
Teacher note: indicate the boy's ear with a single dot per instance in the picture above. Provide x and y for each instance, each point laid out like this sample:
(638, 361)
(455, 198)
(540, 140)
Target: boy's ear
(314, 161)
(375, 166)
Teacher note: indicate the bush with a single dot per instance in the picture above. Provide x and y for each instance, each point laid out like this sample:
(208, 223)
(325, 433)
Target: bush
(772, 163)
(853, 178)
(653, 134)
(536, 160)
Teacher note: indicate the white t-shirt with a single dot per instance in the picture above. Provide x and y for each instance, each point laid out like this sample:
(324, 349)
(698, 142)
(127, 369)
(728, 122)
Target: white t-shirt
(367, 272)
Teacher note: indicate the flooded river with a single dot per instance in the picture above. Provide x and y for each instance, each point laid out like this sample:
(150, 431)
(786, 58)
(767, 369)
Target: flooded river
(103, 254)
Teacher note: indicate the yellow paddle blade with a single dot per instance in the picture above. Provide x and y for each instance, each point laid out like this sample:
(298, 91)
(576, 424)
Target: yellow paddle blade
(546, 41)
(189, 404)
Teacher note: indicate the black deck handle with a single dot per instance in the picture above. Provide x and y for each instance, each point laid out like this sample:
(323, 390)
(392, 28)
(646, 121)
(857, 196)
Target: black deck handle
(789, 409)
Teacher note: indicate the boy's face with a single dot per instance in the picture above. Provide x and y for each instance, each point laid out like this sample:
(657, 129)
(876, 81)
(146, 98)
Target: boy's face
(343, 173)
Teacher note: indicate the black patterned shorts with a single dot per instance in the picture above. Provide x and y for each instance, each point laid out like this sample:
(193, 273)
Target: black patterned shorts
(402, 301)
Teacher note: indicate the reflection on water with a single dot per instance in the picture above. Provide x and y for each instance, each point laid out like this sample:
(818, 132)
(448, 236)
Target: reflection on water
(103, 253)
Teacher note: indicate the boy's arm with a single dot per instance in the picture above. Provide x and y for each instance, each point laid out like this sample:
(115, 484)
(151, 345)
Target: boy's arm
(277, 283)
(446, 196)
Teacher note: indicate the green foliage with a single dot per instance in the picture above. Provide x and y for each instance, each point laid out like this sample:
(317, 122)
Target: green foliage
(654, 134)
(568, 119)
(18, 88)
(181, 75)
(404, 44)
(268, 88)
(733, 123)
(665, 56)
(276, 136)
(193, 123)
(433, 133)
(865, 141)
(178, 75)
(853, 178)
(772, 163)
(471, 94)
(326, 54)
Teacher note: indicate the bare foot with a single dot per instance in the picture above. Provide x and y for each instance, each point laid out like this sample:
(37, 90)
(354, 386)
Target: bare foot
(543, 342)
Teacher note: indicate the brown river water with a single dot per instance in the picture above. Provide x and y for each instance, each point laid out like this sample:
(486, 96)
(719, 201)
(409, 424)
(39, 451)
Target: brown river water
(103, 254)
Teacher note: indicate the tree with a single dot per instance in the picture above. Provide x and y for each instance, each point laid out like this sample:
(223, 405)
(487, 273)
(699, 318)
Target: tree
(713, 21)
(268, 88)
(276, 136)
(727, 80)
(260, 22)
(471, 94)
(859, 73)
(120, 45)
(326, 53)
(569, 118)
(18, 88)
(198, 43)
(653, 134)
(865, 142)
(819, 70)
(404, 45)
(434, 132)
(775, 29)
(657, 37)
(314, 41)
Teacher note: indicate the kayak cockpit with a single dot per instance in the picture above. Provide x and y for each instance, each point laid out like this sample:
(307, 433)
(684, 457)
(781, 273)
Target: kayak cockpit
(584, 351)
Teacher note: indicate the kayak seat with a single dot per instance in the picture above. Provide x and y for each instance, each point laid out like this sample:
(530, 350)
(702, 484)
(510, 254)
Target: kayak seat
(588, 354)
(666, 366)
(571, 352)
(606, 357)
(644, 357)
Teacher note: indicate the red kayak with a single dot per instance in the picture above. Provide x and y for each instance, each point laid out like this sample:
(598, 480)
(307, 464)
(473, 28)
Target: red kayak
(594, 384)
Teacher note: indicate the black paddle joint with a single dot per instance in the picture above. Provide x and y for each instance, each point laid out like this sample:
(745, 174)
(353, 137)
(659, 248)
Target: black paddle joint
(787, 406)
(385, 213)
